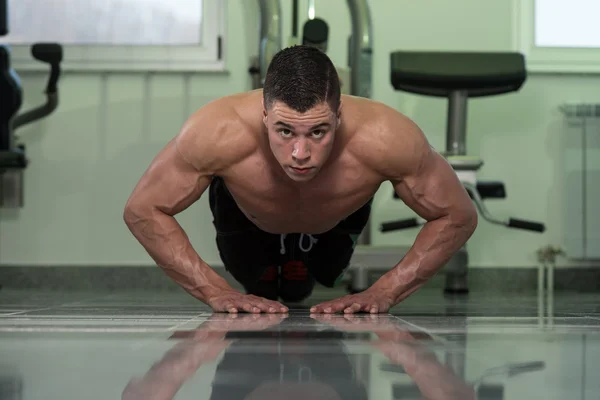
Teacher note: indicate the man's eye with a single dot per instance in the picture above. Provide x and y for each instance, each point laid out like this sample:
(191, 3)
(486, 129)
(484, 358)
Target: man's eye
(285, 132)
(318, 134)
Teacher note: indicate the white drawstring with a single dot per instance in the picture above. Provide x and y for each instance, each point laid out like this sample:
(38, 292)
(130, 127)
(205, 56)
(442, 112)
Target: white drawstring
(282, 239)
(311, 240)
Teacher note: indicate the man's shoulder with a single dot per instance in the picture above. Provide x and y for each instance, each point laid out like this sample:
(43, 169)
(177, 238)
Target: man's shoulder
(388, 141)
(368, 115)
(219, 133)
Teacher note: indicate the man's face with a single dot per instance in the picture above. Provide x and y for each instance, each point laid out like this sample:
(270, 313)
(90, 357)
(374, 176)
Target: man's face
(301, 142)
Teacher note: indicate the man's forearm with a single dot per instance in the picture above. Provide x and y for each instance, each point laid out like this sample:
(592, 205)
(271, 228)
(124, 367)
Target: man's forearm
(435, 244)
(169, 246)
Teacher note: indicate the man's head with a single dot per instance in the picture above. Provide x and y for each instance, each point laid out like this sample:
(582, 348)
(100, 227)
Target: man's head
(301, 98)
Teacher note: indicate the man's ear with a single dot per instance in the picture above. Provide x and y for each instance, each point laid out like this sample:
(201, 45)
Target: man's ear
(262, 101)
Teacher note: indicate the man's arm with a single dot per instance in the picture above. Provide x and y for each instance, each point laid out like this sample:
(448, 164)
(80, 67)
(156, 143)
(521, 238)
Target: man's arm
(426, 183)
(175, 179)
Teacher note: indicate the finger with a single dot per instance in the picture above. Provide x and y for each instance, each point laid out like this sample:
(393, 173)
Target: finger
(355, 307)
(340, 305)
(269, 306)
(248, 307)
(330, 307)
(231, 308)
(257, 304)
(265, 305)
(283, 308)
(383, 307)
(373, 308)
(279, 308)
(262, 305)
(318, 308)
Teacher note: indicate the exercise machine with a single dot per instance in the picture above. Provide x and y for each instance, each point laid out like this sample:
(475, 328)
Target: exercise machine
(458, 77)
(13, 158)
(316, 33)
(270, 40)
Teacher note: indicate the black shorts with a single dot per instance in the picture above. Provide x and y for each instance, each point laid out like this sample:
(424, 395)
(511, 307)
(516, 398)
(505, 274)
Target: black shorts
(247, 251)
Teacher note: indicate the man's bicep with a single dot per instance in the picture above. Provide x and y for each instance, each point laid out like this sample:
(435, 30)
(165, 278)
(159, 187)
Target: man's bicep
(171, 183)
(433, 190)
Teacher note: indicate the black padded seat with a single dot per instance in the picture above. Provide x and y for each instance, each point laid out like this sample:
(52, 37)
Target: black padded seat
(441, 73)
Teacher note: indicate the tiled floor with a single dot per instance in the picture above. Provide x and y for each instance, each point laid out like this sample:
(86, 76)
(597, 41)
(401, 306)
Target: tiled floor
(170, 346)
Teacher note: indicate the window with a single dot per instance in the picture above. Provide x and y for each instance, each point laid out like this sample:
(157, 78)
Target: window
(567, 24)
(121, 35)
(558, 35)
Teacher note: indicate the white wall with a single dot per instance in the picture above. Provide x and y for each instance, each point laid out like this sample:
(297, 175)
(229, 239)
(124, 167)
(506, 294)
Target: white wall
(87, 157)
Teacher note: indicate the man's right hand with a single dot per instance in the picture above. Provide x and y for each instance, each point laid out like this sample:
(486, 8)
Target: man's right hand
(232, 301)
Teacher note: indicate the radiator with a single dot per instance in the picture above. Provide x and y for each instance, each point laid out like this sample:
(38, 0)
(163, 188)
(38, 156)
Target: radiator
(581, 194)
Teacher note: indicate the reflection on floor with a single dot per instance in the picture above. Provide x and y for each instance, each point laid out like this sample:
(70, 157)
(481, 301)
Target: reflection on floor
(167, 346)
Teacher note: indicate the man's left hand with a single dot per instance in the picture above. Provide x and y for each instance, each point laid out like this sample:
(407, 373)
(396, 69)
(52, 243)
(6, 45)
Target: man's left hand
(370, 301)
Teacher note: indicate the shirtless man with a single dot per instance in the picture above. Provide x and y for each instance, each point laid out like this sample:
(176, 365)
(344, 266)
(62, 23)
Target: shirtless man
(292, 170)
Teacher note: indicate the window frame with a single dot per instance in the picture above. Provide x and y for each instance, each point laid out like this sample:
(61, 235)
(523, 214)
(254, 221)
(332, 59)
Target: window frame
(207, 56)
(548, 59)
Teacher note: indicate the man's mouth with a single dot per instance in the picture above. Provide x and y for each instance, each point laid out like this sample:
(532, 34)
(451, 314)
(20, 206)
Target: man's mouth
(301, 170)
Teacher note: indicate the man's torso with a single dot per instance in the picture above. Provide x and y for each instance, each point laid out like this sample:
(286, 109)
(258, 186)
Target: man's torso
(278, 205)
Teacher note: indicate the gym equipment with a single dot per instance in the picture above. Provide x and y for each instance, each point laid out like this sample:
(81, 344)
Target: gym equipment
(360, 54)
(316, 34)
(270, 41)
(496, 389)
(459, 76)
(366, 257)
(13, 160)
(3, 18)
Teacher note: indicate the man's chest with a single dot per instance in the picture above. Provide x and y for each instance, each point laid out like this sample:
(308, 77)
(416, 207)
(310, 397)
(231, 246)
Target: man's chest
(312, 207)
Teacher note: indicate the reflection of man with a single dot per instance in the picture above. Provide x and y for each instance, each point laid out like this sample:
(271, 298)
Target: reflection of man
(434, 380)
(266, 358)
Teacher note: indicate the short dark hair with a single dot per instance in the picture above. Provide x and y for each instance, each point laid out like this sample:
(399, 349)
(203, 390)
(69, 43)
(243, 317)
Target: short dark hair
(301, 77)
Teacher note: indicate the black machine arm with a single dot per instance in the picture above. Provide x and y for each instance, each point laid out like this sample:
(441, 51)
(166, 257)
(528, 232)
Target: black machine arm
(50, 53)
(12, 156)
(474, 193)
(510, 223)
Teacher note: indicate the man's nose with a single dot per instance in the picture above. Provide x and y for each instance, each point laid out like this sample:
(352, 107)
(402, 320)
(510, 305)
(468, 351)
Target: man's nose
(301, 150)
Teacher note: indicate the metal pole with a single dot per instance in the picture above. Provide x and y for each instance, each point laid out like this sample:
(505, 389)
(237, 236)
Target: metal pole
(361, 49)
(360, 62)
(456, 136)
(270, 34)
